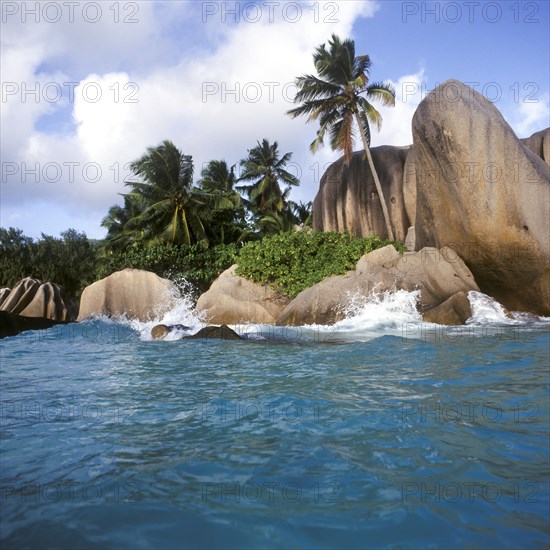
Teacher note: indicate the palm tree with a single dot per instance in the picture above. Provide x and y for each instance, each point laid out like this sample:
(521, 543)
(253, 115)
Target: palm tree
(116, 219)
(228, 216)
(173, 212)
(339, 98)
(265, 169)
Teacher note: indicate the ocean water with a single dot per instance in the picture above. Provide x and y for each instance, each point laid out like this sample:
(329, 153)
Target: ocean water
(378, 432)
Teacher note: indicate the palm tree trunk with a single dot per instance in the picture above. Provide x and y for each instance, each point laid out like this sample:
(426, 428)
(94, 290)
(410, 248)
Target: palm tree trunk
(376, 180)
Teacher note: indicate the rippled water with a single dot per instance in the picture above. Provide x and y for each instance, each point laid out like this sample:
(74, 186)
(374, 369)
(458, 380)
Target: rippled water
(370, 434)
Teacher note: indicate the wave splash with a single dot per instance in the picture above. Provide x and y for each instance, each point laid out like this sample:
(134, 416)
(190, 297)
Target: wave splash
(389, 313)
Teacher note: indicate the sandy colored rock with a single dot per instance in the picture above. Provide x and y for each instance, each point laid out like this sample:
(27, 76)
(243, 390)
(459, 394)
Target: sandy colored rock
(456, 310)
(136, 293)
(347, 199)
(232, 300)
(159, 331)
(437, 274)
(33, 298)
(483, 193)
(539, 143)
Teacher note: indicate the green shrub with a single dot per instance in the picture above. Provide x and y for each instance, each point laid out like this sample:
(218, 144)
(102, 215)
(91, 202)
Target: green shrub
(195, 264)
(294, 261)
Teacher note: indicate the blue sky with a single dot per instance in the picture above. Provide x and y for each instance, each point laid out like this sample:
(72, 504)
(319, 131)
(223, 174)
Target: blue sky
(84, 93)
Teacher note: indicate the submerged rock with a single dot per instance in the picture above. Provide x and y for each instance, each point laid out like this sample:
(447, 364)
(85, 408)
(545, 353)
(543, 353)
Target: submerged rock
(223, 332)
(135, 293)
(160, 331)
(456, 310)
(232, 300)
(12, 324)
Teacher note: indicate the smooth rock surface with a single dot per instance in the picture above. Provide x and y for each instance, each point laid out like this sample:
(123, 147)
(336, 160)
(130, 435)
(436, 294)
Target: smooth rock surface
(134, 293)
(347, 199)
(437, 274)
(456, 310)
(33, 298)
(483, 193)
(232, 300)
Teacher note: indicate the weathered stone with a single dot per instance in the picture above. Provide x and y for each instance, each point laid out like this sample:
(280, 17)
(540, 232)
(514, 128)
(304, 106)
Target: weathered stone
(348, 201)
(539, 143)
(233, 300)
(222, 332)
(483, 193)
(410, 239)
(437, 274)
(456, 310)
(4, 293)
(12, 324)
(33, 298)
(159, 331)
(133, 293)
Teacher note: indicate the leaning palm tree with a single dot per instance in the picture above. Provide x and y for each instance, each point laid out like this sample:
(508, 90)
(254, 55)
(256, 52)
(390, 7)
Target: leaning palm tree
(265, 169)
(339, 98)
(173, 211)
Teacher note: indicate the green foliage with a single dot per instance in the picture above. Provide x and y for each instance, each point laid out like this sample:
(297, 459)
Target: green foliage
(69, 261)
(294, 261)
(195, 264)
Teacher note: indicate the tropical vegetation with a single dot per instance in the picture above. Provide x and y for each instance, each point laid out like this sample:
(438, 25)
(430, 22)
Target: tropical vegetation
(340, 97)
(241, 213)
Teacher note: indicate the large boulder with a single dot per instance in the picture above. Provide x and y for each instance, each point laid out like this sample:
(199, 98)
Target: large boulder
(437, 274)
(539, 143)
(233, 300)
(483, 193)
(33, 298)
(348, 201)
(456, 310)
(133, 293)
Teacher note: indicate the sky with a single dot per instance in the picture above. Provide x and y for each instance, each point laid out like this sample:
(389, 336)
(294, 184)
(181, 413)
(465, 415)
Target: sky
(88, 86)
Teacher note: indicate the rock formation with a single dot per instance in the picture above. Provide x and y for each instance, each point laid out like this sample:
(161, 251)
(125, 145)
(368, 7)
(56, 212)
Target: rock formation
(347, 199)
(12, 324)
(135, 293)
(33, 298)
(437, 274)
(223, 332)
(485, 194)
(232, 300)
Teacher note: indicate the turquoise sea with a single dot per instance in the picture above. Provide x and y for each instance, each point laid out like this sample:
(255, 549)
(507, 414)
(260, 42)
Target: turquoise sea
(378, 432)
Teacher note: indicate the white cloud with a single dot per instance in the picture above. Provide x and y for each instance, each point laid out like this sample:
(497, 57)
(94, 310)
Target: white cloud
(531, 116)
(397, 121)
(85, 169)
